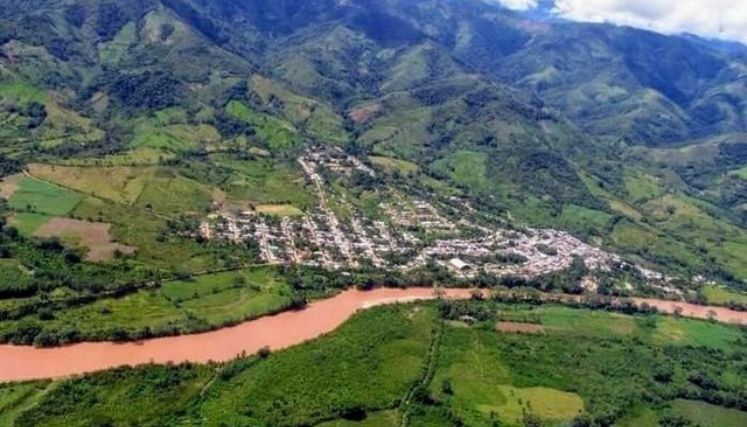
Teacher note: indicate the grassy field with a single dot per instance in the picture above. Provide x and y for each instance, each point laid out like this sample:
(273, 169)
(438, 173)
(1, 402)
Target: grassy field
(466, 168)
(118, 184)
(316, 119)
(170, 194)
(230, 297)
(27, 223)
(694, 333)
(582, 365)
(41, 197)
(391, 165)
(721, 296)
(706, 414)
(11, 271)
(641, 187)
(138, 157)
(578, 216)
(173, 138)
(264, 182)
(277, 134)
(205, 302)
(279, 210)
(161, 189)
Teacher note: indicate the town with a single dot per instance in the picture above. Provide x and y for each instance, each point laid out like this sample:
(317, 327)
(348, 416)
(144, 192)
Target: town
(411, 234)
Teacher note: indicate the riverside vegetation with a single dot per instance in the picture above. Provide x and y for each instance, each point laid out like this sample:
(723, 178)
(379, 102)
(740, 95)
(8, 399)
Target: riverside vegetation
(440, 363)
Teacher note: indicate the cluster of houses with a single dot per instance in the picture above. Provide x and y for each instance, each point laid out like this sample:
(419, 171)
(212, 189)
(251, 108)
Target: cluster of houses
(416, 214)
(401, 239)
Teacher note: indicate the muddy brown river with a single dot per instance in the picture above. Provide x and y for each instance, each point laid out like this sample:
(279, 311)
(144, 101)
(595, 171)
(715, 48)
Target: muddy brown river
(276, 332)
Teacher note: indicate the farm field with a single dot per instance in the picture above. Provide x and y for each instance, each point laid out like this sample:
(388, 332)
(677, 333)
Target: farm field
(137, 157)
(159, 189)
(111, 210)
(118, 184)
(28, 223)
(279, 210)
(414, 359)
(94, 237)
(393, 165)
(263, 182)
(721, 296)
(205, 302)
(32, 195)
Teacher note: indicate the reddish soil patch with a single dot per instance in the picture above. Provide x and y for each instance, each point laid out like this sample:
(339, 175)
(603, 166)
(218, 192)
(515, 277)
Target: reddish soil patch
(521, 328)
(92, 235)
(9, 185)
(364, 114)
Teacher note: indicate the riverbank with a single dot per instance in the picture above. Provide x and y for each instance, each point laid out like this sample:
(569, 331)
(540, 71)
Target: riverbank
(275, 332)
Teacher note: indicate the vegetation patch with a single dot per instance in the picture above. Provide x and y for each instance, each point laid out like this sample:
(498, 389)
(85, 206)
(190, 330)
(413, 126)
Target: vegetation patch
(97, 400)
(277, 134)
(722, 296)
(377, 419)
(225, 298)
(137, 157)
(521, 328)
(174, 138)
(741, 173)
(365, 366)
(399, 362)
(705, 414)
(547, 404)
(33, 195)
(691, 332)
(169, 193)
(641, 187)
(279, 210)
(392, 165)
(118, 184)
(15, 398)
(27, 223)
(94, 236)
(466, 168)
(9, 185)
(264, 181)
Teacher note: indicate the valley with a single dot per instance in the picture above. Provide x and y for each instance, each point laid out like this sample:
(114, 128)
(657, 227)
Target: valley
(430, 363)
(321, 239)
(368, 213)
(276, 332)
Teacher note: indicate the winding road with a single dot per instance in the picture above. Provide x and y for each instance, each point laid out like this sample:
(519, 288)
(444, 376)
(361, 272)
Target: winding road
(283, 330)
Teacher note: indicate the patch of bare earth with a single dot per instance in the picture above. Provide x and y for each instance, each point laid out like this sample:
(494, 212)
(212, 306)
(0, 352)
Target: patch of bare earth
(9, 185)
(519, 328)
(364, 114)
(94, 236)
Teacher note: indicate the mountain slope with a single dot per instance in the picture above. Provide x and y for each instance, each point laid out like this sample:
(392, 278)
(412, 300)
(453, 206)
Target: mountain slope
(543, 122)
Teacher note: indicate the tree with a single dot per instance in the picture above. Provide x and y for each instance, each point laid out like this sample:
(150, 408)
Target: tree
(264, 352)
